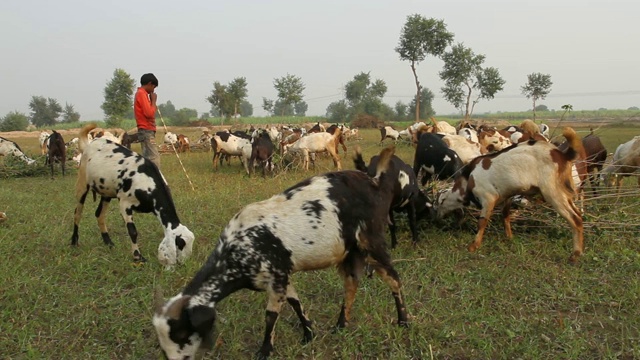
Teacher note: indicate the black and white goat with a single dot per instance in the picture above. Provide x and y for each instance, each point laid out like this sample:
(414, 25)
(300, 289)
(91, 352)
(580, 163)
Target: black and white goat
(113, 171)
(407, 196)
(434, 159)
(335, 219)
(8, 147)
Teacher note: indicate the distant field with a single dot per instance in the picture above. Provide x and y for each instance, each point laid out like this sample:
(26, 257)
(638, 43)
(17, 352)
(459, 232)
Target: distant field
(511, 299)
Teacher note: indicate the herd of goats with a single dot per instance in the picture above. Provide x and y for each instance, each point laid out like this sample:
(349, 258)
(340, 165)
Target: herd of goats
(334, 219)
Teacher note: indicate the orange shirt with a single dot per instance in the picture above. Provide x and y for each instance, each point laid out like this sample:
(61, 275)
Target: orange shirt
(145, 113)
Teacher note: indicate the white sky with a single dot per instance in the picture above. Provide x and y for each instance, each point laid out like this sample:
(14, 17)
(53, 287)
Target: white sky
(68, 49)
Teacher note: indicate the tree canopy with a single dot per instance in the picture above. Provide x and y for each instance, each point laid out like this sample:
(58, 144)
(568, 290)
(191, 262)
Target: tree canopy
(426, 104)
(168, 110)
(14, 121)
(69, 114)
(44, 111)
(419, 38)
(118, 97)
(289, 89)
(463, 75)
(226, 99)
(537, 87)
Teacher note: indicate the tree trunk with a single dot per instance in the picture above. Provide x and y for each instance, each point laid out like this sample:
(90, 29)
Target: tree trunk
(415, 76)
(534, 109)
(466, 115)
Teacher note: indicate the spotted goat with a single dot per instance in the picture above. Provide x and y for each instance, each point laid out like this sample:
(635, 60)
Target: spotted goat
(113, 171)
(8, 147)
(335, 219)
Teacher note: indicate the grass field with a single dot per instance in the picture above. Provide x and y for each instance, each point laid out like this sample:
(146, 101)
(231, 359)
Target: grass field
(516, 299)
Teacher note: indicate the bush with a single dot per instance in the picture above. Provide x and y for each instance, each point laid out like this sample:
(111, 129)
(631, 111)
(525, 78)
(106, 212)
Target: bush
(366, 121)
(14, 121)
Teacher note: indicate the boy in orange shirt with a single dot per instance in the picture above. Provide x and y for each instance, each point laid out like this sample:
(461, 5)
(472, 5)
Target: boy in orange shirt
(144, 109)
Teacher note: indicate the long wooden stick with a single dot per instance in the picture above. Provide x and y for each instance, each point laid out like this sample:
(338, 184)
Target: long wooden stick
(176, 152)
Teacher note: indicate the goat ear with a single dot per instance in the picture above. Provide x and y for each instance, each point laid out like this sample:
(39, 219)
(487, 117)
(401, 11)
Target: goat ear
(158, 300)
(202, 319)
(175, 309)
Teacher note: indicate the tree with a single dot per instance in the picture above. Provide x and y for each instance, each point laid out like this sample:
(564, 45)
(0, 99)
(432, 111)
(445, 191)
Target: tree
(267, 105)
(364, 96)
(401, 110)
(246, 109)
(168, 110)
(118, 97)
(338, 111)
(289, 90)
(183, 116)
(463, 74)
(44, 111)
(238, 92)
(300, 108)
(542, 108)
(14, 121)
(425, 107)
(283, 109)
(538, 86)
(419, 38)
(70, 115)
(634, 108)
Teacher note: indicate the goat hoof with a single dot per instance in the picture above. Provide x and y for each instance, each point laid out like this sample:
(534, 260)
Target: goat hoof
(403, 324)
(472, 248)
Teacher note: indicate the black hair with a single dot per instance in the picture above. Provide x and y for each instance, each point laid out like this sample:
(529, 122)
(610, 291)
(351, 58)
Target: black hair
(148, 78)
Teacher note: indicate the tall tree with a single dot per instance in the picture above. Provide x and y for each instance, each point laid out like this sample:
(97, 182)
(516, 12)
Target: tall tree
(283, 109)
(400, 110)
(183, 116)
(238, 92)
(538, 86)
(365, 96)
(425, 107)
(463, 74)
(267, 105)
(44, 111)
(289, 88)
(246, 109)
(168, 110)
(419, 38)
(118, 97)
(70, 115)
(300, 108)
(14, 121)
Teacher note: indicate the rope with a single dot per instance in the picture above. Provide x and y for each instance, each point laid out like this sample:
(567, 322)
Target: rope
(176, 152)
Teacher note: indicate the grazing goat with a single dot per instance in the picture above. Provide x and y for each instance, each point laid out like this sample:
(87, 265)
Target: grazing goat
(43, 139)
(261, 151)
(316, 143)
(492, 140)
(57, 151)
(113, 171)
(433, 158)
(595, 154)
(183, 144)
(625, 162)
(170, 138)
(335, 219)
(331, 129)
(466, 149)
(407, 196)
(388, 132)
(524, 169)
(8, 147)
(225, 143)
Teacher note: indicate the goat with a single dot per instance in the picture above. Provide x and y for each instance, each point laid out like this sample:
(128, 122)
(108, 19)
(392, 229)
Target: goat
(388, 132)
(8, 147)
(335, 219)
(595, 154)
(170, 138)
(407, 196)
(522, 169)
(316, 143)
(433, 158)
(466, 149)
(183, 144)
(43, 138)
(493, 140)
(113, 171)
(56, 151)
(626, 161)
(331, 129)
(225, 143)
(262, 151)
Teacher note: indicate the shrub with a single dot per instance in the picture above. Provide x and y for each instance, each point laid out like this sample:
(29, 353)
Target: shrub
(365, 121)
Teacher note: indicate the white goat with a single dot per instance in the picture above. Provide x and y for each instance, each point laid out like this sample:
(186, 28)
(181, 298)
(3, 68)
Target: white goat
(316, 143)
(625, 162)
(8, 147)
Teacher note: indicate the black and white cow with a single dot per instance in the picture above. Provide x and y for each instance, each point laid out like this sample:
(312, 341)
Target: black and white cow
(335, 219)
(113, 171)
(434, 159)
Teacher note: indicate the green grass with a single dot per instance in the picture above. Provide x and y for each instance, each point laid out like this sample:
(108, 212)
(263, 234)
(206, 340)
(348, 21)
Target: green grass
(511, 299)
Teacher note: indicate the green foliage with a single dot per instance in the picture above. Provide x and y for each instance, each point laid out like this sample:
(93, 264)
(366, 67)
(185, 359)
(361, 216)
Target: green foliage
(635, 108)
(300, 108)
(401, 109)
(238, 91)
(70, 115)
(226, 99)
(542, 108)
(118, 97)
(463, 75)
(183, 116)
(280, 108)
(338, 111)
(537, 87)
(419, 38)
(426, 104)
(168, 110)
(246, 109)
(267, 105)
(14, 121)
(44, 112)
(289, 89)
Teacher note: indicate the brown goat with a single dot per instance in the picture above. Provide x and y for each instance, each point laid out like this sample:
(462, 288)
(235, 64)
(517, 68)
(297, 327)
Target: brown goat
(57, 151)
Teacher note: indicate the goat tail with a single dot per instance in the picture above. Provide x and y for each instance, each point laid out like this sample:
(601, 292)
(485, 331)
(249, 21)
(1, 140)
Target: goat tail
(385, 160)
(83, 138)
(575, 143)
(358, 161)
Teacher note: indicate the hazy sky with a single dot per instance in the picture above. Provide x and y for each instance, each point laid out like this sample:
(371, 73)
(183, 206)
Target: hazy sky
(68, 49)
